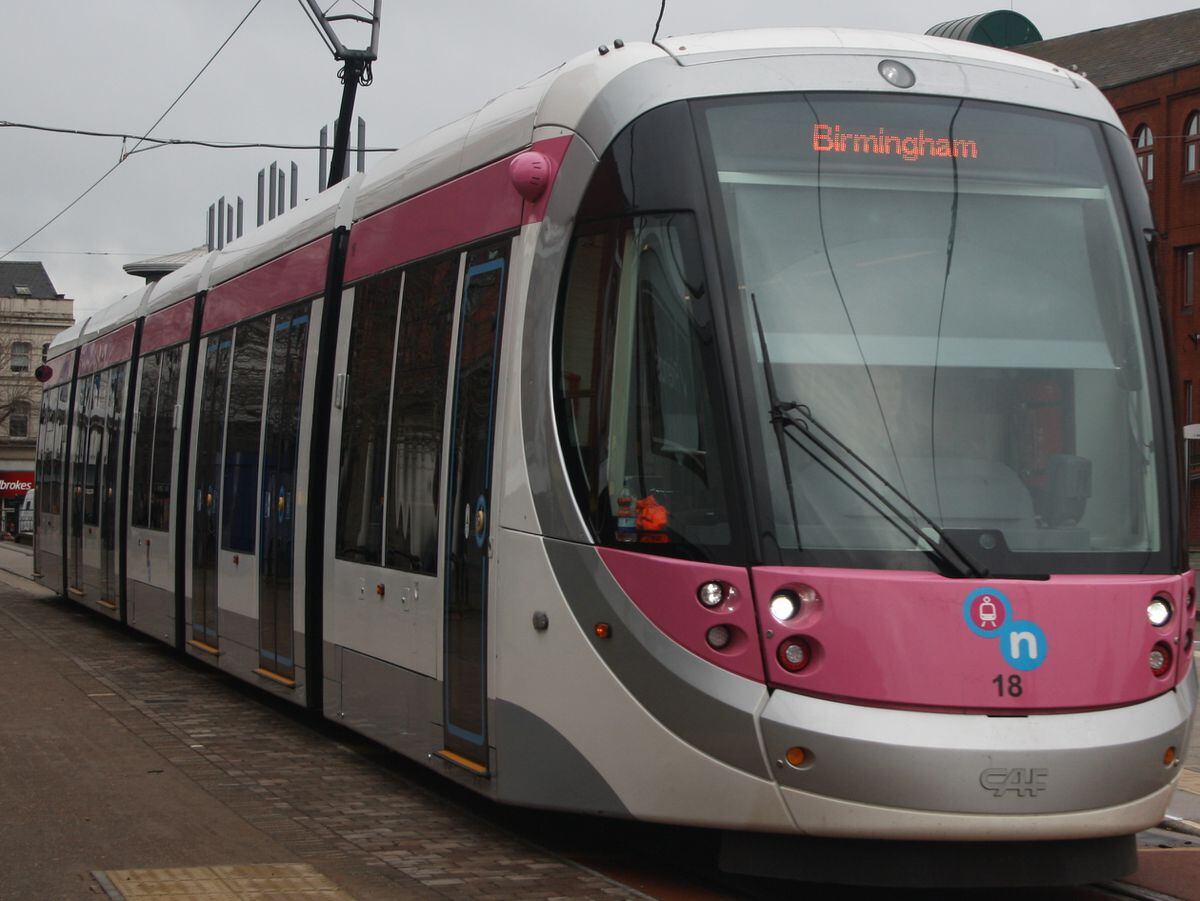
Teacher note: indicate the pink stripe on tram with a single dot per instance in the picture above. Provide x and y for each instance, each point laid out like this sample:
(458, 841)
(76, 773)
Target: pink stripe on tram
(168, 326)
(294, 276)
(115, 347)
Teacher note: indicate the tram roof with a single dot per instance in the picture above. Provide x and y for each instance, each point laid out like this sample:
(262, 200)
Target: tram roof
(596, 94)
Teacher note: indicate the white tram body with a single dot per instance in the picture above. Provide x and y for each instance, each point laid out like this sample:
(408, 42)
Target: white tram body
(330, 459)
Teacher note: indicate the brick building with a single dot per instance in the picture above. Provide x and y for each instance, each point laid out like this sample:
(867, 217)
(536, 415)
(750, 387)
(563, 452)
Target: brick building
(1150, 72)
(31, 313)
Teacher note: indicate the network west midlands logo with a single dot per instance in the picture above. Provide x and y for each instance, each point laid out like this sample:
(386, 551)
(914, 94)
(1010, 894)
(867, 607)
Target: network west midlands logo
(989, 615)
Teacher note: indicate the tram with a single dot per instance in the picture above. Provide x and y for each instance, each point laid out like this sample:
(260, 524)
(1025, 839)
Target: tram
(767, 431)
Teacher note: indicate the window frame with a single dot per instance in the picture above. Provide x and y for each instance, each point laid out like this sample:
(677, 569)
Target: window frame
(1191, 144)
(1143, 148)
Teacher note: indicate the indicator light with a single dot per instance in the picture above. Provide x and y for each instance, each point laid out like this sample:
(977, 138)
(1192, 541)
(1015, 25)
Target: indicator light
(1169, 756)
(1159, 611)
(798, 757)
(784, 606)
(1160, 659)
(602, 630)
(794, 654)
(718, 637)
(711, 594)
(897, 74)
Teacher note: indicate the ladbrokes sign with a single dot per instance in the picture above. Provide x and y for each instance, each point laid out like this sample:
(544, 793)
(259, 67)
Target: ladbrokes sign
(15, 484)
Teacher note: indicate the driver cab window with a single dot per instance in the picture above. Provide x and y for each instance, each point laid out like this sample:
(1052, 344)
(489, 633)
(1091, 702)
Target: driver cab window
(637, 383)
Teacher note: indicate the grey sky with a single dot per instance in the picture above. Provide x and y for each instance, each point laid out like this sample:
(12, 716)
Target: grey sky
(115, 66)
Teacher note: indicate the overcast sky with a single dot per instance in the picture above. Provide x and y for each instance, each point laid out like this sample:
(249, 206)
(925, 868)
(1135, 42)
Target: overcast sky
(115, 66)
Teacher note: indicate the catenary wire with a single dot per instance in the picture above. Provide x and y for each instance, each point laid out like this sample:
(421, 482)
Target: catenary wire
(125, 155)
(190, 142)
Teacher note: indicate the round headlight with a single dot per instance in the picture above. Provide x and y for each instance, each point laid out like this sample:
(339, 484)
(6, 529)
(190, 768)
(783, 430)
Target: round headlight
(784, 606)
(711, 594)
(1159, 611)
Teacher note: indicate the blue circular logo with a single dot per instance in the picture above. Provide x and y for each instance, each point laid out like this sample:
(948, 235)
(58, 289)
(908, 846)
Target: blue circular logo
(1023, 645)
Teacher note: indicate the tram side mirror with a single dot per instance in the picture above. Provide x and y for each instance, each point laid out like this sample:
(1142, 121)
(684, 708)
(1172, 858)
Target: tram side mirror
(1068, 487)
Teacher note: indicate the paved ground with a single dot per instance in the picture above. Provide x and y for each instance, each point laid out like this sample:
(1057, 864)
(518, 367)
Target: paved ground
(118, 758)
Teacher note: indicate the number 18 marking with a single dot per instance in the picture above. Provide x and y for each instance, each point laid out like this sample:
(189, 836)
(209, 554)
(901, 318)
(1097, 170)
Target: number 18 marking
(1014, 688)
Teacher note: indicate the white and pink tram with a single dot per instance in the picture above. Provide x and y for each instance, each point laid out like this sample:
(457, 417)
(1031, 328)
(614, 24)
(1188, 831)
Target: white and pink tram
(766, 431)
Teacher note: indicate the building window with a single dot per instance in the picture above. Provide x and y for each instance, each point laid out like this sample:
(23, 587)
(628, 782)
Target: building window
(1143, 145)
(22, 290)
(18, 420)
(1188, 292)
(19, 356)
(1191, 144)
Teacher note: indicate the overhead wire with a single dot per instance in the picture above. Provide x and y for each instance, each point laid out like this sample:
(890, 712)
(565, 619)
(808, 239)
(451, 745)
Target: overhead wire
(189, 142)
(125, 155)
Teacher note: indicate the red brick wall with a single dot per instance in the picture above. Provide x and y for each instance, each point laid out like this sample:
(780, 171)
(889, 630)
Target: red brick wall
(1164, 103)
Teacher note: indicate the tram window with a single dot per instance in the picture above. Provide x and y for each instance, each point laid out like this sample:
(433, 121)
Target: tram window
(363, 461)
(97, 399)
(636, 388)
(58, 449)
(242, 429)
(143, 446)
(208, 437)
(418, 411)
(164, 439)
(115, 415)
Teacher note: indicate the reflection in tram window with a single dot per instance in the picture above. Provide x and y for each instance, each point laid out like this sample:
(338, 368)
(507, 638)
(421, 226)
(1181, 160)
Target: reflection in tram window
(143, 445)
(418, 407)
(206, 503)
(95, 415)
(164, 436)
(637, 387)
(363, 461)
(242, 427)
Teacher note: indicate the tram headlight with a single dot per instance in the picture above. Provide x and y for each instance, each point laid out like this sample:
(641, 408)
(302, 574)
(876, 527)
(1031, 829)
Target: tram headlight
(1160, 659)
(794, 654)
(711, 594)
(1159, 611)
(896, 73)
(784, 606)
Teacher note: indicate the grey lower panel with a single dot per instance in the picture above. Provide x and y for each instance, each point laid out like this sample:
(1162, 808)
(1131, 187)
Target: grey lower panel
(1053, 763)
(51, 569)
(151, 610)
(238, 646)
(711, 709)
(385, 702)
(928, 864)
(537, 767)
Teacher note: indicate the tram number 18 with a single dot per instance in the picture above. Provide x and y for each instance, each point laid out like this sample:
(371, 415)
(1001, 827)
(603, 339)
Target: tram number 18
(1012, 687)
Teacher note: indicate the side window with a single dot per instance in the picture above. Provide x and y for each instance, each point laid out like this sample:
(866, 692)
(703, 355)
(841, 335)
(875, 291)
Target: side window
(60, 448)
(143, 444)
(242, 429)
(95, 412)
(1143, 146)
(637, 386)
(211, 425)
(418, 412)
(19, 356)
(18, 420)
(363, 461)
(164, 438)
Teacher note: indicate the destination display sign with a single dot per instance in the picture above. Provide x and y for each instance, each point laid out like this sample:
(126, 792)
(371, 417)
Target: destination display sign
(833, 138)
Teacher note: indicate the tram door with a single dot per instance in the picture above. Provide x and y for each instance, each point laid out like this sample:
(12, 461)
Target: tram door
(277, 529)
(468, 508)
(79, 480)
(206, 502)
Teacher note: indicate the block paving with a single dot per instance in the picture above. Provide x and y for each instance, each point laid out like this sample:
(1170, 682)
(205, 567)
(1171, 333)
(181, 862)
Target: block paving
(370, 829)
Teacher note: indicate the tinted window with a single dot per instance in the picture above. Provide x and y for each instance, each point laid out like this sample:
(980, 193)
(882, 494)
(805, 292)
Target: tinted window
(210, 433)
(636, 387)
(164, 439)
(418, 408)
(242, 429)
(143, 442)
(363, 467)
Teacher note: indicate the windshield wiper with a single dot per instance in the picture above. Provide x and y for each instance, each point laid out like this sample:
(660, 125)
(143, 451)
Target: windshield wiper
(798, 419)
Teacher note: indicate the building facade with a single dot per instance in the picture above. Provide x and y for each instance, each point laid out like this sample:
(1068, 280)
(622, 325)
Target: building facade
(31, 314)
(1150, 72)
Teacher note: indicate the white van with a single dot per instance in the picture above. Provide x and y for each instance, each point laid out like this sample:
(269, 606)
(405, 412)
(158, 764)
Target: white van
(25, 518)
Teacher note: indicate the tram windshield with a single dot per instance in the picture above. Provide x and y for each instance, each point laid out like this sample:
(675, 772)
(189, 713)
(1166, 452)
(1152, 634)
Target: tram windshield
(948, 336)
